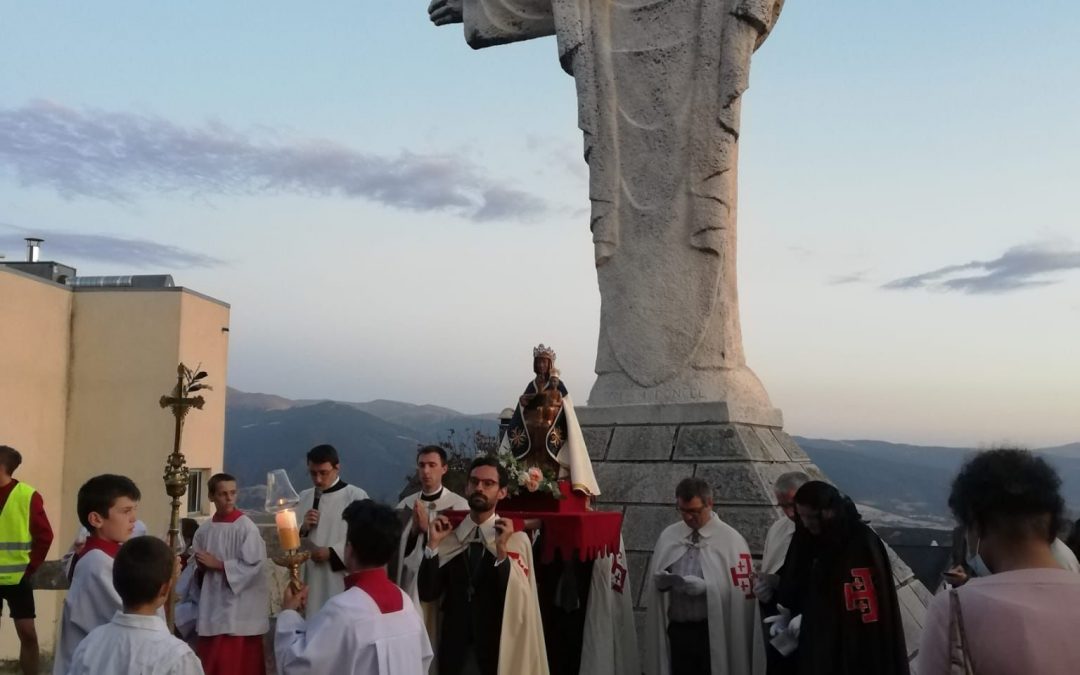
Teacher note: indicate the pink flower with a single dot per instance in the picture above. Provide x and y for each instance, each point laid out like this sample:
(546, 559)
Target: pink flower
(535, 475)
(532, 485)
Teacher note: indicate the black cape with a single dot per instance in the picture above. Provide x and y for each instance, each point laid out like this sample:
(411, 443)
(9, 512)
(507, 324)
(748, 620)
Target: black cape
(842, 584)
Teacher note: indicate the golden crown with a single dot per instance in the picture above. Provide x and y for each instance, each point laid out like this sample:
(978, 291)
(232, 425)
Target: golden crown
(541, 350)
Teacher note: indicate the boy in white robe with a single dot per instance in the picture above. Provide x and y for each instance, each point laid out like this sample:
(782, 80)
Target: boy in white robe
(369, 629)
(702, 614)
(136, 641)
(106, 505)
(232, 591)
(323, 529)
(80, 542)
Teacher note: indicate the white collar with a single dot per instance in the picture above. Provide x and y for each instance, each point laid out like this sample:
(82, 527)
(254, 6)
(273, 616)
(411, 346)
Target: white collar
(706, 531)
(140, 621)
(465, 531)
(425, 493)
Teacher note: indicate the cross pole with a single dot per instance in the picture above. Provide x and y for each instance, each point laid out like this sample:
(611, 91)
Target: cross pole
(176, 472)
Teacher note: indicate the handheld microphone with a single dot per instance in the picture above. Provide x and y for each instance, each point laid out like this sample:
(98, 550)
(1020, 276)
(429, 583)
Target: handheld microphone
(315, 505)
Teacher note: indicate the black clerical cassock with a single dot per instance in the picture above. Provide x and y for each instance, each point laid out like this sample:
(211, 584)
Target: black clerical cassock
(471, 591)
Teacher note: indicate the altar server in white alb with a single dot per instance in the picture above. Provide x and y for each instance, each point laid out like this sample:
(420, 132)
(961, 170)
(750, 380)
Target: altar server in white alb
(323, 528)
(106, 505)
(137, 640)
(432, 499)
(369, 629)
(79, 544)
(230, 587)
(702, 614)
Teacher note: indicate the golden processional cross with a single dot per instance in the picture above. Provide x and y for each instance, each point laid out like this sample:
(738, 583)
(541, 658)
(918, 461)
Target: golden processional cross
(176, 471)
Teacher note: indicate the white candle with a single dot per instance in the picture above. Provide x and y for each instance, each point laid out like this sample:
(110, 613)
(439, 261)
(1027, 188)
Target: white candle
(288, 533)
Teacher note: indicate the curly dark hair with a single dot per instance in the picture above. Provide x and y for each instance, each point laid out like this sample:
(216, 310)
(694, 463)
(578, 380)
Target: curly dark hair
(373, 531)
(1010, 491)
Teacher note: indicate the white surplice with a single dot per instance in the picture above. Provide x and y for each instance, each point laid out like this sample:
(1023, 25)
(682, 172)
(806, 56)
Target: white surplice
(1064, 556)
(351, 636)
(323, 582)
(133, 644)
(777, 541)
(736, 646)
(186, 612)
(235, 601)
(409, 559)
(91, 602)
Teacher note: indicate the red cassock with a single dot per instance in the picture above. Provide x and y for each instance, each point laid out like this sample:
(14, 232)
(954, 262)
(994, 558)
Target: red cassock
(232, 654)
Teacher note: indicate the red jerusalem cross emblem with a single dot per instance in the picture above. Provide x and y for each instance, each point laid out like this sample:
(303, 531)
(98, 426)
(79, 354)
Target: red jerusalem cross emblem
(740, 575)
(860, 595)
(618, 575)
(516, 557)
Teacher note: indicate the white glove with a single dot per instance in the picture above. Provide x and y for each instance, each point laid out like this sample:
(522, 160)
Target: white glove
(665, 581)
(794, 626)
(778, 623)
(764, 587)
(693, 585)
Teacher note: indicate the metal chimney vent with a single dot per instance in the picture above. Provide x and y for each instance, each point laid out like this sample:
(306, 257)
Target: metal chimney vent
(33, 249)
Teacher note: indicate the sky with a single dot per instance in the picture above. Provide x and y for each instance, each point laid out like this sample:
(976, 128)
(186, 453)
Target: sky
(394, 215)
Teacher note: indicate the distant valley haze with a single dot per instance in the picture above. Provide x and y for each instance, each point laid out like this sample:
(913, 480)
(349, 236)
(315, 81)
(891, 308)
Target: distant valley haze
(895, 484)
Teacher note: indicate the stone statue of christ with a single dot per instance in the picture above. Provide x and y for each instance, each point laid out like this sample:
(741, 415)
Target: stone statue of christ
(659, 85)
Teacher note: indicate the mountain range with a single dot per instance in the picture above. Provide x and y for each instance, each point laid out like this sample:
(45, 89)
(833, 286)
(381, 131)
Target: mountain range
(376, 440)
(897, 484)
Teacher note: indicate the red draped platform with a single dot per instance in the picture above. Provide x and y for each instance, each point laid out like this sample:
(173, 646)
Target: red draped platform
(567, 529)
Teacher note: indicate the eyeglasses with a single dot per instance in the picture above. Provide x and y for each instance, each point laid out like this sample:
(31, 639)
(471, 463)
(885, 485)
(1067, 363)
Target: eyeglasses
(692, 512)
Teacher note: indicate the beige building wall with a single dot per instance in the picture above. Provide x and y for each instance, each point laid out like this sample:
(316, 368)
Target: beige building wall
(125, 349)
(34, 338)
(81, 373)
(204, 342)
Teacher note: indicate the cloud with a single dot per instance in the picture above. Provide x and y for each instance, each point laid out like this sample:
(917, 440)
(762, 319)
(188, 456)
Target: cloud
(114, 156)
(1019, 268)
(141, 253)
(856, 278)
(559, 156)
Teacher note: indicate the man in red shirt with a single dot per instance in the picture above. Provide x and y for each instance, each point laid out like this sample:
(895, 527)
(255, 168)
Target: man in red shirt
(25, 537)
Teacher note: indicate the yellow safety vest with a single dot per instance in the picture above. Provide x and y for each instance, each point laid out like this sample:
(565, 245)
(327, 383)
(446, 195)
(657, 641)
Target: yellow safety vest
(15, 538)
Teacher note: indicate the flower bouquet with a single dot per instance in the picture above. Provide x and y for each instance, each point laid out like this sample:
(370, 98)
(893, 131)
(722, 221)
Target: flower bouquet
(528, 479)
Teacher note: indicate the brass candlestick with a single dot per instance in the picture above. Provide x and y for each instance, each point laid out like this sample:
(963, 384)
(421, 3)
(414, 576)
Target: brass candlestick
(293, 560)
(176, 471)
(281, 499)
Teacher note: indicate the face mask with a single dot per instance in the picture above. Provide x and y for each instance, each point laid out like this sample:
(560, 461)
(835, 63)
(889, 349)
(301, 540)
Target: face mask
(977, 564)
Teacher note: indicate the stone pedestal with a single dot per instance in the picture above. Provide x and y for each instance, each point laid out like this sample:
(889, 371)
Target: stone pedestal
(640, 453)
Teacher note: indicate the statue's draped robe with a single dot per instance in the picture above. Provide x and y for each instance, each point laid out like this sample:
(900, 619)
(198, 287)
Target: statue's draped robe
(568, 453)
(659, 85)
